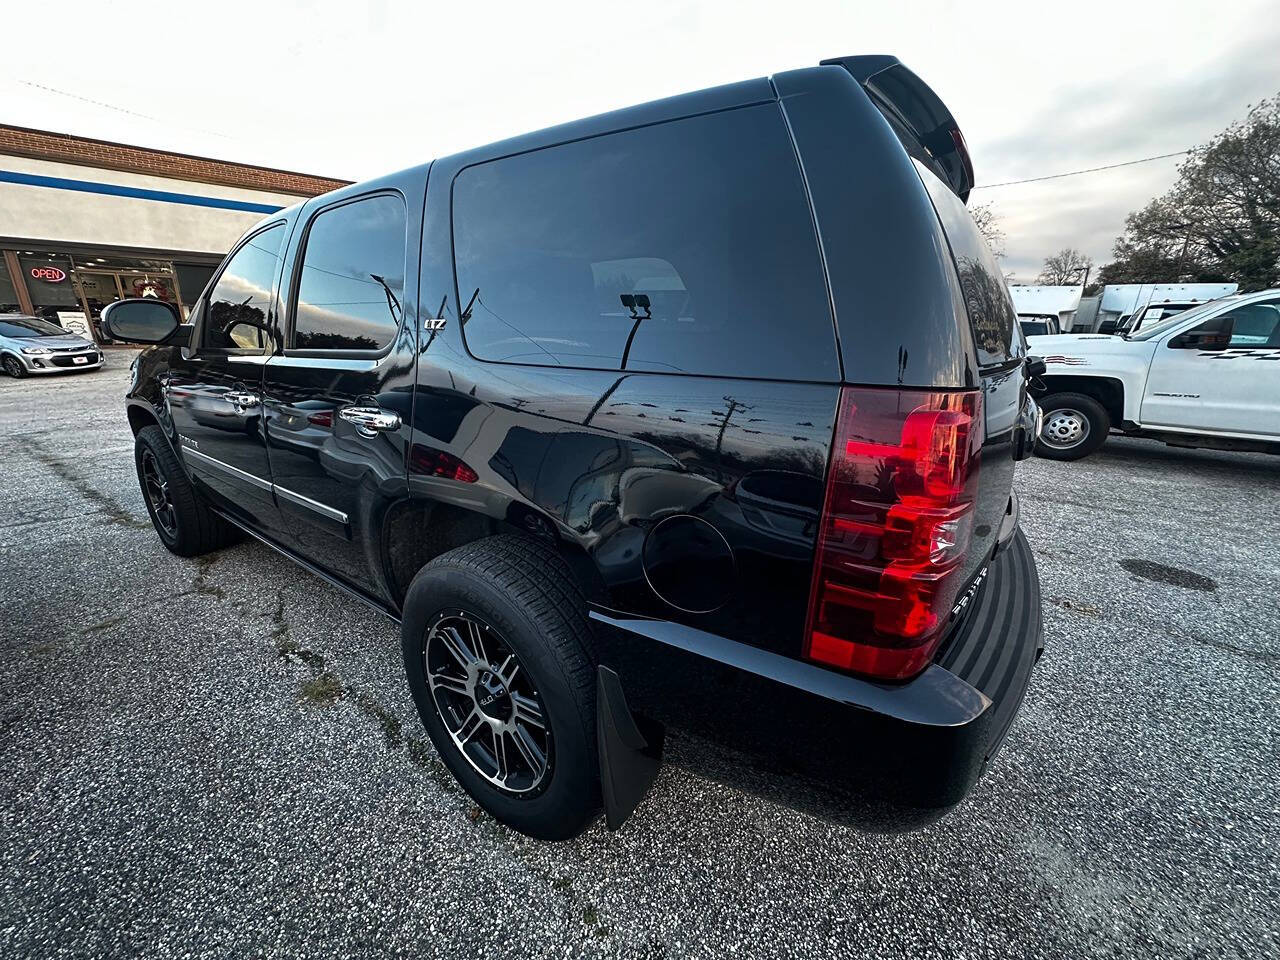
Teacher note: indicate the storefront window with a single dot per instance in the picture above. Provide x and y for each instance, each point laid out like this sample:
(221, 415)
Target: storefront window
(8, 296)
(97, 289)
(53, 295)
(192, 278)
(72, 290)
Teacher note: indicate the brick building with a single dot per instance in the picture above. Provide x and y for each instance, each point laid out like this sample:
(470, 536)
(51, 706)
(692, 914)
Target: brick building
(85, 222)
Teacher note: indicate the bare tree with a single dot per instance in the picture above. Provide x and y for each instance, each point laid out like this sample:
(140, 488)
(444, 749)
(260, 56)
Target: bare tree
(988, 223)
(1066, 267)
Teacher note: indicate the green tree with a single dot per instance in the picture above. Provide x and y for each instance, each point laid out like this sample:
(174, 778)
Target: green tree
(1220, 220)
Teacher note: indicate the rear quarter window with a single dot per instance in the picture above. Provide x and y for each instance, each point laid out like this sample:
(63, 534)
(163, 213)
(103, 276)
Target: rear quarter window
(683, 247)
(986, 296)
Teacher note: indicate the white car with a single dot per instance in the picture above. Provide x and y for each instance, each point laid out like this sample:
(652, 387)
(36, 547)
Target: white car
(1209, 377)
(29, 345)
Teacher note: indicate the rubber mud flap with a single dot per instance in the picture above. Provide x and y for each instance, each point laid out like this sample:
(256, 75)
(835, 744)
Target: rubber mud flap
(630, 750)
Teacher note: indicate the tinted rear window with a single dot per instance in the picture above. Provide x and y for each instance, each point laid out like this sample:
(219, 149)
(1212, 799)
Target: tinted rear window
(686, 247)
(986, 295)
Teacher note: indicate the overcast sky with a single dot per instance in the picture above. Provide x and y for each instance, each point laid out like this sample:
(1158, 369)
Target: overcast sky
(353, 90)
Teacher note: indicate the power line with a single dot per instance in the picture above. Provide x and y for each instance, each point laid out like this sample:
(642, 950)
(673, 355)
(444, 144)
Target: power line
(1076, 173)
(124, 110)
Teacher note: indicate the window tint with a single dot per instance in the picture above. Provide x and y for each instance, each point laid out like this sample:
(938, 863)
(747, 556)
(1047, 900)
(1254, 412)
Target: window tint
(686, 246)
(240, 302)
(1256, 325)
(352, 279)
(986, 296)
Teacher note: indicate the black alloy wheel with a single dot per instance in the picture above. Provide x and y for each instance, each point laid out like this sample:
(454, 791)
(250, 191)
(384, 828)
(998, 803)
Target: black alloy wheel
(156, 489)
(183, 520)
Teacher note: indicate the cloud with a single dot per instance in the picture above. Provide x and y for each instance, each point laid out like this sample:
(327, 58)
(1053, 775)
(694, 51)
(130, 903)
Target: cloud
(1107, 121)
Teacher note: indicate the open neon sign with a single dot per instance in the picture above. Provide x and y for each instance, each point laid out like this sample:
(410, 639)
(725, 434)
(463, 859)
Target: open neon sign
(48, 274)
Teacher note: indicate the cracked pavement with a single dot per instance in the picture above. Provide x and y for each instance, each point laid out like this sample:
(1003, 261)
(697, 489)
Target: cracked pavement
(220, 756)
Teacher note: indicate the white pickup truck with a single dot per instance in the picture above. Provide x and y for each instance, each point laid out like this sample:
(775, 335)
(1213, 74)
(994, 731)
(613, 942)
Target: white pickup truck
(1209, 377)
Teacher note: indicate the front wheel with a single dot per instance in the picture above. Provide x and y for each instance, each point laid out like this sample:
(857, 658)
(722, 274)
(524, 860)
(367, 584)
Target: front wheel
(183, 520)
(1075, 425)
(13, 367)
(497, 652)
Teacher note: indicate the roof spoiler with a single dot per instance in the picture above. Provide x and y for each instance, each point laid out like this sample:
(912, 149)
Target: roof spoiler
(922, 121)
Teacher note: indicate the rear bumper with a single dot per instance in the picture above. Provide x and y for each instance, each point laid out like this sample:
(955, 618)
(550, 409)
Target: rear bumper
(875, 756)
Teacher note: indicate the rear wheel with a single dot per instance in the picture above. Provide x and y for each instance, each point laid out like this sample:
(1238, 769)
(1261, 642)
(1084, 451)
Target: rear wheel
(182, 519)
(497, 652)
(13, 366)
(1075, 425)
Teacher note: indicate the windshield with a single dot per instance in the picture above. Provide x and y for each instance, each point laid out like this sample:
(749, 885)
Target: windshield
(28, 328)
(1156, 329)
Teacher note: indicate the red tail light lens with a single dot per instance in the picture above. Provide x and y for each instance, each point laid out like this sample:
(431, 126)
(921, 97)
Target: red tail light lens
(430, 462)
(896, 526)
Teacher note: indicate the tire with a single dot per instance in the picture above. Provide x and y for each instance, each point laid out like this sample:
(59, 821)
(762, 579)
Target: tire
(1075, 425)
(184, 523)
(522, 599)
(13, 366)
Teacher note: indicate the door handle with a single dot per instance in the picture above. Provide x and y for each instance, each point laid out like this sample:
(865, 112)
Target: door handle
(243, 399)
(370, 421)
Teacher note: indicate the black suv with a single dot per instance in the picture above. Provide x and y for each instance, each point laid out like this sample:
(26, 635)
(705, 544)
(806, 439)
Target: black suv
(698, 418)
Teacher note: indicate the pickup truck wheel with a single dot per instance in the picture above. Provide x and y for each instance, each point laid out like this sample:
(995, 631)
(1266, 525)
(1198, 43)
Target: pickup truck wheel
(496, 649)
(1075, 425)
(182, 519)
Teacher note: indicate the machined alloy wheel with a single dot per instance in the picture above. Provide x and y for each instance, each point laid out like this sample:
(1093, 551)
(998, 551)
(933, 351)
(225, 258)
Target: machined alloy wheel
(497, 652)
(156, 487)
(488, 703)
(1065, 428)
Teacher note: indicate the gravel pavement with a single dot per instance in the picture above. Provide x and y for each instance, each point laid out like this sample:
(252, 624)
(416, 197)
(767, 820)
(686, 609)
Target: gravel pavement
(220, 757)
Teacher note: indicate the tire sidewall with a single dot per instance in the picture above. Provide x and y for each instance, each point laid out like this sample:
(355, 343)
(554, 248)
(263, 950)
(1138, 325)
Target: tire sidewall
(1099, 426)
(566, 804)
(147, 441)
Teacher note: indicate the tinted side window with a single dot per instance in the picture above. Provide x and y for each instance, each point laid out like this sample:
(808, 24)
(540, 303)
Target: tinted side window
(352, 278)
(240, 302)
(686, 246)
(986, 295)
(1256, 325)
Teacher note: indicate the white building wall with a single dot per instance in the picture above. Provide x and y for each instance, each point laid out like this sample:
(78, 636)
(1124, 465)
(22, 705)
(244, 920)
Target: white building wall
(39, 213)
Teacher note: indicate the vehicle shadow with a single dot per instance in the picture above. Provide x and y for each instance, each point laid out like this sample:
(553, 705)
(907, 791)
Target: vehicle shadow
(1152, 455)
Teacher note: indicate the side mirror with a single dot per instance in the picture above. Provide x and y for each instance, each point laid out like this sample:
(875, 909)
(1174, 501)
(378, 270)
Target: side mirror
(1202, 340)
(144, 320)
(1107, 326)
(1036, 367)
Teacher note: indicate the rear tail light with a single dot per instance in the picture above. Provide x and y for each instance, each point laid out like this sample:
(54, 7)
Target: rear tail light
(896, 526)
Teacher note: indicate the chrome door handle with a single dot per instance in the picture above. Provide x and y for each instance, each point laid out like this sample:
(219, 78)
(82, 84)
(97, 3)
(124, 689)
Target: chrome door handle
(243, 399)
(370, 421)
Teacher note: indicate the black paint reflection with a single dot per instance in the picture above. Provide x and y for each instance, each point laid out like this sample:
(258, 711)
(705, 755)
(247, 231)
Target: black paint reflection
(604, 463)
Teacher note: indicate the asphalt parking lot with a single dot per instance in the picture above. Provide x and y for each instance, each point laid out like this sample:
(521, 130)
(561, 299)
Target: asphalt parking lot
(220, 757)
